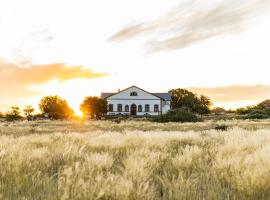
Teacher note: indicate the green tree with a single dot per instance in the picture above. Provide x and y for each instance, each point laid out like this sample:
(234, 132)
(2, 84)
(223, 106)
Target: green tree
(28, 111)
(13, 114)
(184, 99)
(264, 105)
(93, 107)
(55, 107)
(203, 105)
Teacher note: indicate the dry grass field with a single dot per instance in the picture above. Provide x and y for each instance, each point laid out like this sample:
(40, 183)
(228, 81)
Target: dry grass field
(134, 160)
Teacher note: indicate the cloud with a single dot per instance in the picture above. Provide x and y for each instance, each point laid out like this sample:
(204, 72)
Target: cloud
(194, 21)
(31, 42)
(15, 80)
(235, 93)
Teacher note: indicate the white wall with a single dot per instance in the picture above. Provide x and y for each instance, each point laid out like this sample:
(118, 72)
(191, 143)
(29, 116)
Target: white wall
(143, 98)
(136, 102)
(166, 106)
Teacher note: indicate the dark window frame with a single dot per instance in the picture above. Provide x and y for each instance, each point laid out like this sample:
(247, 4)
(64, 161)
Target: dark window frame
(140, 108)
(133, 94)
(110, 109)
(147, 107)
(119, 107)
(156, 108)
(126, 108)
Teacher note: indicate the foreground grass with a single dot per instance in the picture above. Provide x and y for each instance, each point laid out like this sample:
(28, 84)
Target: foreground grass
(134, 160)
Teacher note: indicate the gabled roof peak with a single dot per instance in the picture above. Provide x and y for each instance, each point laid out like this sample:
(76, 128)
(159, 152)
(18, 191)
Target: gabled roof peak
(164, 96)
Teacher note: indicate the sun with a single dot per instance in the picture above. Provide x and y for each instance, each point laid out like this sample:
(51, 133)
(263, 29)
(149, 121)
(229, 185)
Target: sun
(78, 113)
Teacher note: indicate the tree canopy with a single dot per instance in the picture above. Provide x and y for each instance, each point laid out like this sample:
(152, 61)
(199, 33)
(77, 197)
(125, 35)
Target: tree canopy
(13, 114)
(182, 98)
(93, 107)
(28, 111)
(55, 107)
(264, 105)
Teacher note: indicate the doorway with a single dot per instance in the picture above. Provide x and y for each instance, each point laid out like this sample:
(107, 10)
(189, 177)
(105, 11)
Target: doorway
(133, 110)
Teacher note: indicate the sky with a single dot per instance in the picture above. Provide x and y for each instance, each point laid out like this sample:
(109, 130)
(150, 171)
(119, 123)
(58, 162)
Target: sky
(78, 48)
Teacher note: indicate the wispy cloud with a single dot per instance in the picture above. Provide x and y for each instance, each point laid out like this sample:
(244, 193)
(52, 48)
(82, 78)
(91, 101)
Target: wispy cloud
(194, 21)
(32, 42)
(235, 93)
(15, 80)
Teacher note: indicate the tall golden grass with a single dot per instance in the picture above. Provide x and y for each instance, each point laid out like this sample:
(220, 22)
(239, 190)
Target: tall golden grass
(134, 160)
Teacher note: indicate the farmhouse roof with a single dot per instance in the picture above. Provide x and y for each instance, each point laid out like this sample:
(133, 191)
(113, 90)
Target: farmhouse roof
(104, 95)
(165, 96)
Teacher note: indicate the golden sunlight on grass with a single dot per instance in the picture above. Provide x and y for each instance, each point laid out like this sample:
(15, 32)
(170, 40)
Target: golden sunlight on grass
(134, 160)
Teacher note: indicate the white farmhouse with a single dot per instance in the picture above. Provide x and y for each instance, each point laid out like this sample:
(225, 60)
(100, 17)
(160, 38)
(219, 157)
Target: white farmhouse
(137, 102)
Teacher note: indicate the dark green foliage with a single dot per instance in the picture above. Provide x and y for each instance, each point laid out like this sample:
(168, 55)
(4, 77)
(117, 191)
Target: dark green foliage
(181, 98)
(264, 112)
(246, 110)
(263, 106)
(55, 107)
(14, 114)
(257, 116)
(93, 107)
(176, 115)
(259, 111)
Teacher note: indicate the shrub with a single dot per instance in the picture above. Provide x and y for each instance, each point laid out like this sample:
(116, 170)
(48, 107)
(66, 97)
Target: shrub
(176, 115)
(222, 127)
(259, 112)
(246, 110)
(14, 114)
(257, 116)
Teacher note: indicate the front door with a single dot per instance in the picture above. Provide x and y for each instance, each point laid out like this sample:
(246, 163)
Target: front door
(133, 109)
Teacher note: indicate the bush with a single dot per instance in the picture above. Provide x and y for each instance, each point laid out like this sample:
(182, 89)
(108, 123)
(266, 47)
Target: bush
(246, 110)
(222, 127)
(257, 116)
(14, 114)
(176, 115)
(259, 112)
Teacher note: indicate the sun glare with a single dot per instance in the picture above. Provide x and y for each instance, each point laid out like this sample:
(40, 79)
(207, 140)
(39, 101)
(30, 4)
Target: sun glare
(73, 92)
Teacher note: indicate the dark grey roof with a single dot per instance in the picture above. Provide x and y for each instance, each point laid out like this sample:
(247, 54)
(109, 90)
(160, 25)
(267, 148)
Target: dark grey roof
(105, 95)
(165, 96)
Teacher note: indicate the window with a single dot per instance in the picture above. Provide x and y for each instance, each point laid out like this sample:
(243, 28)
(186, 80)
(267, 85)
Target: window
(126, 108)
(156, 108)
(139, 108)
(110, 107)
(133, 94)
(147, 108)
(119, 107)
